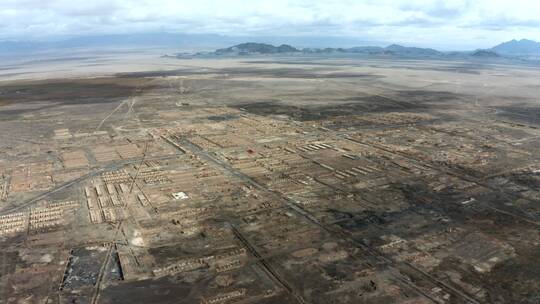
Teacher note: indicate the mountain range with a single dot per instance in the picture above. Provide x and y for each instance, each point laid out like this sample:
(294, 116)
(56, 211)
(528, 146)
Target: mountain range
(512, 48)
(251, 48)
(518, 47)
(259, 48)
(196, 42)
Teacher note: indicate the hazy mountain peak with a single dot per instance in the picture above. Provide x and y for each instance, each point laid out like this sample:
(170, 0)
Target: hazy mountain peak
(518, 47)
(485, 54)
(257, 48)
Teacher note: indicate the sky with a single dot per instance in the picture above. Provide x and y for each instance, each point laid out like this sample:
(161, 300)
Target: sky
(446, 25)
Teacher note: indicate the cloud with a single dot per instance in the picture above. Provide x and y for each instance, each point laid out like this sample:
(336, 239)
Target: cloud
(417, 21)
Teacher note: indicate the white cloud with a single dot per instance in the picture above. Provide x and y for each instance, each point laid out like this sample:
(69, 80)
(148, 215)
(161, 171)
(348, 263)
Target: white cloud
(421, 22)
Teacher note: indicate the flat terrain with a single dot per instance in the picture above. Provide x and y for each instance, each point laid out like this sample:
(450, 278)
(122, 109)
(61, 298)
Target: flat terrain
(130, 178)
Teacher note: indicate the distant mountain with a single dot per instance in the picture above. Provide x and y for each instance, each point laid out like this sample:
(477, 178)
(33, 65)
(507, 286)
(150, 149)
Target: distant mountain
(108, 42)
(414, 51)
(199, 44)
(518, 47)
(485, 54)
(183, 42)
(392, 50)
(23, 46)
(256, 48)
